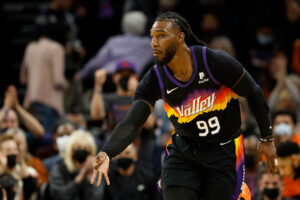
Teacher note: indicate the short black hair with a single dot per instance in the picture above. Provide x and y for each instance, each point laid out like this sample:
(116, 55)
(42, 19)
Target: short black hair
(284, 112)
(183, 25)
(286, 149)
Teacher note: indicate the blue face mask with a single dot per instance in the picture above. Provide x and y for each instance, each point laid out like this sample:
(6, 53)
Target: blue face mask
(282, 129)
(264, 40)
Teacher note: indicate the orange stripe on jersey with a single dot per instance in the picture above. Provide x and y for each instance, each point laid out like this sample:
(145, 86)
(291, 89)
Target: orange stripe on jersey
(199, 102)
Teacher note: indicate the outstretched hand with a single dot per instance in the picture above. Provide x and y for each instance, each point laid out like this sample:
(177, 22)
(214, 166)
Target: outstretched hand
(268, 149)
(101, 165)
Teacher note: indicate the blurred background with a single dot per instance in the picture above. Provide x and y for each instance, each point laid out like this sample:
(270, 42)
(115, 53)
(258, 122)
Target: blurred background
(69, 70)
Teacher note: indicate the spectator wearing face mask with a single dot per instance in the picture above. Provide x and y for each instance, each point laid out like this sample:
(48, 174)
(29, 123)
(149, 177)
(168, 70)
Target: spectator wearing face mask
(131, 180)
(26, 157)
(51, 154)
(112, 107)
(12, 163)
(69, 179)
(270, 186)
(284, 126)
(289, 167)
(251, 164)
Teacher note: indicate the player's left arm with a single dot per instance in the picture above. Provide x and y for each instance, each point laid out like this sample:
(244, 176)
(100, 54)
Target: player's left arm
(231, 73)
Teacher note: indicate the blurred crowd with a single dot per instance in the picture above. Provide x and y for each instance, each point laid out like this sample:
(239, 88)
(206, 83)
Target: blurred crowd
(80, 72)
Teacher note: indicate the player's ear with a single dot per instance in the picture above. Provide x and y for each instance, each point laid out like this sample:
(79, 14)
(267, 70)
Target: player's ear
(180, 37)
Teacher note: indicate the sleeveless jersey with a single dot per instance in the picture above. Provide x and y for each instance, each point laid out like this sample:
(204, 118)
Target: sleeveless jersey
(201, 108)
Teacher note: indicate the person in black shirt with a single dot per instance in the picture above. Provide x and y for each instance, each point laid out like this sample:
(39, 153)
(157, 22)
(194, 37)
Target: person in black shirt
(199, 87)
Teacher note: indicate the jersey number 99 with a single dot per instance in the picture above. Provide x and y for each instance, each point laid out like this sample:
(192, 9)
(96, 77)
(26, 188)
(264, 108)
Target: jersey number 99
(212, 125)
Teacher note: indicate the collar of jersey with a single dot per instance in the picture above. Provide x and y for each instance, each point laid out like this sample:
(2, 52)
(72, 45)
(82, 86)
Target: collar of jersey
(181, 84)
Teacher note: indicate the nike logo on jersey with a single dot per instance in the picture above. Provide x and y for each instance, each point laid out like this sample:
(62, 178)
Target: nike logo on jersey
(198, 105)
(202, 78)
(170, 91)
(223, 143)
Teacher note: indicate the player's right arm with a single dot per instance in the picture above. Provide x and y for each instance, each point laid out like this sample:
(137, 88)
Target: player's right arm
(146, 94)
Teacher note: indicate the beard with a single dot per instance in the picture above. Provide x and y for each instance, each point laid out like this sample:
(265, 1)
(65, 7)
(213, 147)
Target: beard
(170, 52)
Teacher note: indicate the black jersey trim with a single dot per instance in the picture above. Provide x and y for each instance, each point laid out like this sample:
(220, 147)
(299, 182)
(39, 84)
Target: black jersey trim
(160, 82)
(176, 82)
(207, 67)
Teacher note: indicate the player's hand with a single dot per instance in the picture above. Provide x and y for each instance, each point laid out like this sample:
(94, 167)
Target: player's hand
(268, 149)
(100, 77)
(101, 165)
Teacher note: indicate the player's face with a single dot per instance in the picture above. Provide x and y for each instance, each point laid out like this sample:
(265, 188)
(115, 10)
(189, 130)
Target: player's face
(164, 41)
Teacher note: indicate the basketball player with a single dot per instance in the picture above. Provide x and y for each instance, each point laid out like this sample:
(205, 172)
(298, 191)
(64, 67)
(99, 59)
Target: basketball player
(200, 87)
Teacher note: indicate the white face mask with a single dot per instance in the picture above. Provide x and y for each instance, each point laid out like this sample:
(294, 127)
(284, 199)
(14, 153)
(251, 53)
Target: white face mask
(61, 143)
(282, 129)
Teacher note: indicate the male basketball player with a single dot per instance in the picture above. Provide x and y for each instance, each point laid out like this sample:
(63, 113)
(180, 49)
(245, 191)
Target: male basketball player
(200, 87)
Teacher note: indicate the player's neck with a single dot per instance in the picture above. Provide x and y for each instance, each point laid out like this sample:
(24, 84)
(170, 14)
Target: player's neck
(182, 64)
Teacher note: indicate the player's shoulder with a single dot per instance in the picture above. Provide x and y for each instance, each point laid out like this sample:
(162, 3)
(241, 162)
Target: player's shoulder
(150, 74)
(209, 51)
(216, 52)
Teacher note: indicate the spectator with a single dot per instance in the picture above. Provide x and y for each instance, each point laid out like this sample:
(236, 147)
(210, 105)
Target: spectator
(210, 27)
(12, 109)
(24, 155)
(119, 102)
(69, 179)
(281, 88)
(251, 164)
(114, 106)
(131, 45)
(223, 43)
(131, 181)
(58, 12)
(12, 162)
(289, 167)
(284, 126)
(42, 71)
(270, 186)
(60, 135)
(262, 48)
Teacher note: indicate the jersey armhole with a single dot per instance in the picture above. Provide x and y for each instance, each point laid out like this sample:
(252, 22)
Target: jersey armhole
(207, 67)
(160, 82)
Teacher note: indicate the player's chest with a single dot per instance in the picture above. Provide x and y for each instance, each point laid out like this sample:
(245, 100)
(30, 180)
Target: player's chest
(199, 94)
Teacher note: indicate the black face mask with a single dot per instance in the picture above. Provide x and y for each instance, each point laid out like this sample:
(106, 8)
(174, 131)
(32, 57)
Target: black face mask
(11, 160)
(271, 193)
(124, 163)
(80, 155)
(124, 82)
(249, 161)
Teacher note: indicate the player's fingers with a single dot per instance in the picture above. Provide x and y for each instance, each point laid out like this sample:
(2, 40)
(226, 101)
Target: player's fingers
(99, 178)
(274, 165)
(94, 176)
(106, 178)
